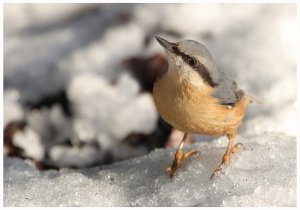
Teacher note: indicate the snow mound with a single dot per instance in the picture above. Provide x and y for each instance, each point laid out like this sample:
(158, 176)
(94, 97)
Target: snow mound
(12, 109)
(95, 104)
(264, 174)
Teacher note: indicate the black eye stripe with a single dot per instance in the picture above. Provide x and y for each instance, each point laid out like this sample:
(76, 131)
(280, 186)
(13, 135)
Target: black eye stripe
(192, 62)
(184, 56)
(199, 67)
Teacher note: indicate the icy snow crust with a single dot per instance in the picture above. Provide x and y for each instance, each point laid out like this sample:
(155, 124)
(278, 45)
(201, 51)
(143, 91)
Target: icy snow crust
(262, 175)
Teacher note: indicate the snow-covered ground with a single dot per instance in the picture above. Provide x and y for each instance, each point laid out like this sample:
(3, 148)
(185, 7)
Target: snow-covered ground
(74, 53)
(262, 175)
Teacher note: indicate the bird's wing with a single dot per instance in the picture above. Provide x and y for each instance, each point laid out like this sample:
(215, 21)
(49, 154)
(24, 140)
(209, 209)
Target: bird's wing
(227, 92)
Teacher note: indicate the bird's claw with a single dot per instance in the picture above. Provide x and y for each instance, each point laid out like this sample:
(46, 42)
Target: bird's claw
(179, 157)
(219, 169)
(237, 147)
(226, 158)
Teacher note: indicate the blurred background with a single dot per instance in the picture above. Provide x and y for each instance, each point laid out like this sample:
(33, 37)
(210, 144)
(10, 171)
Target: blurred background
(78, 77)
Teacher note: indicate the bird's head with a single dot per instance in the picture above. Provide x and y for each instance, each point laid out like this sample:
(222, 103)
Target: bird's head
(192, 61)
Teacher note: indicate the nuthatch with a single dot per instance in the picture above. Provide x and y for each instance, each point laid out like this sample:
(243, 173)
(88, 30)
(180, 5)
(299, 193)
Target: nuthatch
(195, 97)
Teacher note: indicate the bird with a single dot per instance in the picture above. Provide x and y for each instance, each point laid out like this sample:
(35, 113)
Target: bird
(194, 96)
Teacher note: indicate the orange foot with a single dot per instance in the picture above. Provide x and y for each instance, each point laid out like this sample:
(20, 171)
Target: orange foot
(179, 157)
(226, 158)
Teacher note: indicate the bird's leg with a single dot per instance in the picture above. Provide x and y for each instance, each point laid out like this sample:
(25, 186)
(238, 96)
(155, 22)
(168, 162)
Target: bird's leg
(230, 150)
(179, 157)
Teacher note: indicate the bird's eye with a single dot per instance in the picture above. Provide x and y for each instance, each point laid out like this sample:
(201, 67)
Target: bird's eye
(192, 61)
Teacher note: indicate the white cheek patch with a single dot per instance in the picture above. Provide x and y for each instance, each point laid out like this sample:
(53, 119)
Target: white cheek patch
(178, 65)
(189, 74)
(185, 71)
(195, 80)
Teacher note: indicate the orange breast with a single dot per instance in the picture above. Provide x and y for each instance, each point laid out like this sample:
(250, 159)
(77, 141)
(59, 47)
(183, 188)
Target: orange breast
(192, 109)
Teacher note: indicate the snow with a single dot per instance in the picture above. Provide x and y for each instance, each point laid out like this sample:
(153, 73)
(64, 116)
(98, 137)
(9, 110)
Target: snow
(30, 142)
(102, 98)
(75, 156)
(12, 109)
(262, 175)
(79, 50)
(50, 124)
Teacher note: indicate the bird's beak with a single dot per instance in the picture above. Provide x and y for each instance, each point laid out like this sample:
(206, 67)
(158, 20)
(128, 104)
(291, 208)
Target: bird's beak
(165, 44)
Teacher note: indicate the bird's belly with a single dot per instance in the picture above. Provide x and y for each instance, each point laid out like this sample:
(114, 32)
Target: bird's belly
(192, 120)
(195, 112)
